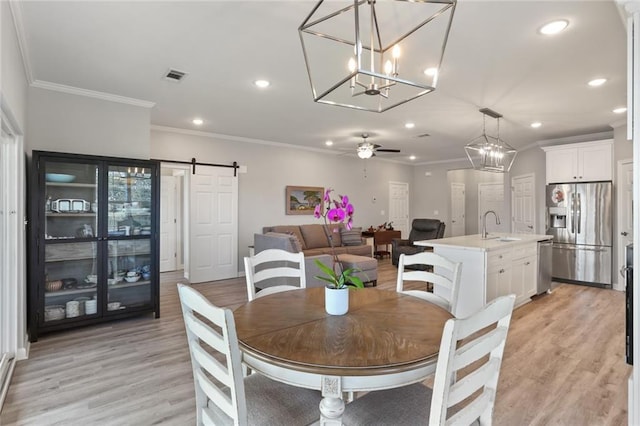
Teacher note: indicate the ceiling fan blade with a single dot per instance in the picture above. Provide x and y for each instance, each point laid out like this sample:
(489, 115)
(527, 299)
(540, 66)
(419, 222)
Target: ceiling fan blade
(387, 150)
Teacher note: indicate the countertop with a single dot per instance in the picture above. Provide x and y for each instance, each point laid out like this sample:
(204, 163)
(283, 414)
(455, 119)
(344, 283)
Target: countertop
(495, 241)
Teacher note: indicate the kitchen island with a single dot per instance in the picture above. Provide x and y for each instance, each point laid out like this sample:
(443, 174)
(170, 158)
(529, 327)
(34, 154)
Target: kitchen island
(498, 265)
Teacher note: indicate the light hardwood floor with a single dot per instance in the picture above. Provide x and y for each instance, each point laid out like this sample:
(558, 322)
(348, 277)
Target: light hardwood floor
(563, 365)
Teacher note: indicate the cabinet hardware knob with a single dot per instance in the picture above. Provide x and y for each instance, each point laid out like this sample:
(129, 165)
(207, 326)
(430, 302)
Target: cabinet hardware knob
(624, 233)
(501, 271)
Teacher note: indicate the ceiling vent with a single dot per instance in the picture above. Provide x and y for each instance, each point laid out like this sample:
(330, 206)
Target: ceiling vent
(175, 75)
(423, 135)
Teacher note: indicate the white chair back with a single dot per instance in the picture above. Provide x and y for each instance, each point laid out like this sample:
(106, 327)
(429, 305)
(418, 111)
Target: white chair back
(277, 257)
(444, 275)
(459, 348)
(226, 391)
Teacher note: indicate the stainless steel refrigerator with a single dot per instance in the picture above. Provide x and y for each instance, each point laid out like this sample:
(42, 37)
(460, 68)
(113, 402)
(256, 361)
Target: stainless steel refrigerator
(579, 217)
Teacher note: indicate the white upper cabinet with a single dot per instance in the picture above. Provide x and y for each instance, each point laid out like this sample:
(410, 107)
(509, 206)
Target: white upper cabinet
(580, 162)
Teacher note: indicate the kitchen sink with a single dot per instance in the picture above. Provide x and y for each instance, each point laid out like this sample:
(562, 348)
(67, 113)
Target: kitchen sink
(507, 239)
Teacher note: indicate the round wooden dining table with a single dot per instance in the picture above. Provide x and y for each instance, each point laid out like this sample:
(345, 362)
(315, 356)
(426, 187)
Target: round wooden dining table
(386, 340)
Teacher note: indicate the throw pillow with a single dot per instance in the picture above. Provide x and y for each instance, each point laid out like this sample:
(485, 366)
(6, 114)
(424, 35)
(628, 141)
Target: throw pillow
(334, 229)
(351, 237)
(314, 236)
(295, 242)
(294, 229)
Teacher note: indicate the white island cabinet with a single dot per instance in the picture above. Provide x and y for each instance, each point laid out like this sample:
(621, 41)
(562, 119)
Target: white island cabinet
(499, 265)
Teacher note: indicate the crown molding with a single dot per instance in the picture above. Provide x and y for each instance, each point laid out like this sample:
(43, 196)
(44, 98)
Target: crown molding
(18, 23)
(260, 142)
(91, 94)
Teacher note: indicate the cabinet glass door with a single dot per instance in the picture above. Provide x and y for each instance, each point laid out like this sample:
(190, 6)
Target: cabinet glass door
(70, 249)
(129, 233)
(71, 200)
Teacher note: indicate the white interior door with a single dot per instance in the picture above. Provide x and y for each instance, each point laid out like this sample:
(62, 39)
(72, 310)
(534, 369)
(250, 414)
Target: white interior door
(399, 207)
(523, 204)
(13, 314)
(457, 209)
(625, 216)
(213, 224)
(491, 197)
(168, 223)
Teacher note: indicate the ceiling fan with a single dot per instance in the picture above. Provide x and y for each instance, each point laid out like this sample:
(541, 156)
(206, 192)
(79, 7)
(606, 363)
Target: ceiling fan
(368, 150)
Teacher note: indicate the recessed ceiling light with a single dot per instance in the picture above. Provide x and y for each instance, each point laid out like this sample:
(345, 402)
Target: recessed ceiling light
(262, 83)
(413, 157)
(536, 124)
(431, 72)
(197, 121)
(328, 143)
(597, 82)
(620, 110)
(409, 125)
(553, 27)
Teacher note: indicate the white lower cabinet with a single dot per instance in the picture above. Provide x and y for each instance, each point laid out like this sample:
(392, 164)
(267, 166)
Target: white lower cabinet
(512, 271)
(487, 273)
(499, 272)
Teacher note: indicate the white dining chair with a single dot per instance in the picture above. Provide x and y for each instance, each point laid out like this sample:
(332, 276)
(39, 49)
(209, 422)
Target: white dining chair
(443, 273)
(473, 360)
(257, 270)
(223, 395)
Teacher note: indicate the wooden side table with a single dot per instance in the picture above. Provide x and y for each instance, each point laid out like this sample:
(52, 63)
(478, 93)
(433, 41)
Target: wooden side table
(381, 238)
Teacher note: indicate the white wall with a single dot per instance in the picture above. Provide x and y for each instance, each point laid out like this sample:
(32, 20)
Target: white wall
(270, 168)
(13, 87)
(66, 122)
(431, 192)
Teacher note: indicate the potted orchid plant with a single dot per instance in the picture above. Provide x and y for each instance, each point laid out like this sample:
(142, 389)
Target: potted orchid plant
(337, 278)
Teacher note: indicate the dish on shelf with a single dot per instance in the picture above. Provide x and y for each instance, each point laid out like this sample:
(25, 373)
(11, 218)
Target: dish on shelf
(112, 306)
(114, 281)
(91, 307)
(91, 279)
(85, 286)
(132, 279)
(54, 312)
(59, 177)
(53, 285)
(69, 283)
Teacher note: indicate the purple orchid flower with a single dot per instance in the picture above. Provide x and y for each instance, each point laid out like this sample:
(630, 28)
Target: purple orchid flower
(336, 215)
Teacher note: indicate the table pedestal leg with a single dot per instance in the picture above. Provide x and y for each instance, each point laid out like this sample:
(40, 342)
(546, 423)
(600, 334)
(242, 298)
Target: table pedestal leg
(332, 405)
(331, 410)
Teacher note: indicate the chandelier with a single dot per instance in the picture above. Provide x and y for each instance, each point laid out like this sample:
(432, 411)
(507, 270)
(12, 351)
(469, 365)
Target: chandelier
(489, 153)
(374, 55)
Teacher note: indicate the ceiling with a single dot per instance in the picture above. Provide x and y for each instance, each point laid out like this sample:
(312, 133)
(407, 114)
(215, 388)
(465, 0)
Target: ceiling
(494, 58)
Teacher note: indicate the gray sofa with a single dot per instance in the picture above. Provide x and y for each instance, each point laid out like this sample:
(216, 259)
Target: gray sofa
(314, 245)
(313, 239)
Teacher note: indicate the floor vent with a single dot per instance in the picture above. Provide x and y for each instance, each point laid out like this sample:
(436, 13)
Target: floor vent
(175, 75)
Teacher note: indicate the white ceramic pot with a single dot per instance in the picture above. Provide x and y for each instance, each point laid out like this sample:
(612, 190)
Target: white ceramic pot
(336, 302)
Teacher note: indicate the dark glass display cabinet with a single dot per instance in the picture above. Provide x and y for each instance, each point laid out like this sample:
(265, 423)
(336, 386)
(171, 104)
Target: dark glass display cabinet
(94, 236)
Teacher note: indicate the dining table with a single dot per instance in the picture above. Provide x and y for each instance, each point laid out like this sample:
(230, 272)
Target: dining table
(385, 340)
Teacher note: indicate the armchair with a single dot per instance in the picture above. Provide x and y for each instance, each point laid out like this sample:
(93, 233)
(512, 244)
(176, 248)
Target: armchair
(421, 229)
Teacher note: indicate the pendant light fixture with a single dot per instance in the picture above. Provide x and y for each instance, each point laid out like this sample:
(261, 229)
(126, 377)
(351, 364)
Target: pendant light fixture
(490, 153)
(374, 55)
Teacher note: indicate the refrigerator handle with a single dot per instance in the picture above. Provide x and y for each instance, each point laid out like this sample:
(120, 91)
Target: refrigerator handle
(579, 212)
(573, 222)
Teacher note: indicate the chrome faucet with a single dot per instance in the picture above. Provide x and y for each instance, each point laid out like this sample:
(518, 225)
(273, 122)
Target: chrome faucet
(484, 223)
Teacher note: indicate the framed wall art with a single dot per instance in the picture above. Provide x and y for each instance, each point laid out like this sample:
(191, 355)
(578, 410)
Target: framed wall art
(302, 199)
